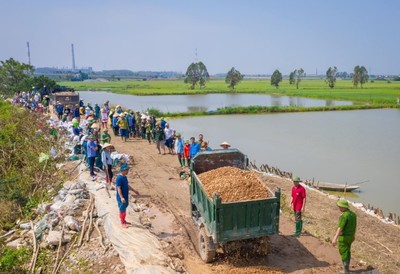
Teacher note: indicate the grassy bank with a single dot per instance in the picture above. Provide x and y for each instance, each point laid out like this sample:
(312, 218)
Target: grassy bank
(378, 92)
(24, 180)
(262, 109)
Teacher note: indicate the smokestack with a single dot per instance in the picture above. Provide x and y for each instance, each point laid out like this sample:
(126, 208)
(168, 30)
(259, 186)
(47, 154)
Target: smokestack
(29, 53)
(73, 57)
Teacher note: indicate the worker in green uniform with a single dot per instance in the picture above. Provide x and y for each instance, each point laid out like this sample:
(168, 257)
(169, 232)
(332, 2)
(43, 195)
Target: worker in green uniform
(345, 233)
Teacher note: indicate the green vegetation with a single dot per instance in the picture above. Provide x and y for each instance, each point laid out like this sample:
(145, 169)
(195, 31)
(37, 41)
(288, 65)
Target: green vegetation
(331, 76)
(16, 76)
(379, 92)
(24, 181)
(196, 74)
(276, 78)
(13, 260)
(233, 77)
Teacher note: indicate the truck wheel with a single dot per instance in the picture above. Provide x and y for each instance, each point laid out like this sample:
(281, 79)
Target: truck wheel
(206, 247)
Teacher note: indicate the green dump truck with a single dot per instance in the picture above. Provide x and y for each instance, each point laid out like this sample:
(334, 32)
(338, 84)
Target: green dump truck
(222, 223)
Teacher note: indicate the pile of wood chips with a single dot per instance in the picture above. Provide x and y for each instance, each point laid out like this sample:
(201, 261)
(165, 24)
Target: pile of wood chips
(233, 184)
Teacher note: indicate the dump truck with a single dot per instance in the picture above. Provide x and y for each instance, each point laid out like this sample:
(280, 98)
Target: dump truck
(65, 98)
(222, 223)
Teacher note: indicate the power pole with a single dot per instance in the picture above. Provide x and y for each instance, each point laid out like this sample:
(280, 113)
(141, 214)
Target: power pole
(195, 55)
(29, 53)
(73, 57)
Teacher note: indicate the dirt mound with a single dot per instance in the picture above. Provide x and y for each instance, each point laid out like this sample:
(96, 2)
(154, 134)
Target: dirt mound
(233, 184)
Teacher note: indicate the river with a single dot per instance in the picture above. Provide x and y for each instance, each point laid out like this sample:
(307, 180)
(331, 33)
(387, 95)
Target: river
(339, 147)
(205, 102)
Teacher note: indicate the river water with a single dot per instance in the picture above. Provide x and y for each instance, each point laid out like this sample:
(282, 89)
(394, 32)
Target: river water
(338, 147)
(206, 102)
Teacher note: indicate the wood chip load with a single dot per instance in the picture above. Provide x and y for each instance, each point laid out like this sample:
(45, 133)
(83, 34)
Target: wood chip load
(233, 184)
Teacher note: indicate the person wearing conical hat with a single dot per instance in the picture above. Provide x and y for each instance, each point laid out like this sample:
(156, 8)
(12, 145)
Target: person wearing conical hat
(105, 137)
(225, 145)
(298, 204)
(345, 233)
(123, 127)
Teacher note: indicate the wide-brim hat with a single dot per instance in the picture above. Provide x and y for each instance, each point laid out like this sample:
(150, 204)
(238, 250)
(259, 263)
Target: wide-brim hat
(297, 179)
(105, 130)
(95, 125)
(343, 203)
(225, 144)
(178, 134)
(107, 145)
(91, 137)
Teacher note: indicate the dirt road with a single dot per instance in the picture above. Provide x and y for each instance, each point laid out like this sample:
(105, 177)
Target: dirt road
(156, 176)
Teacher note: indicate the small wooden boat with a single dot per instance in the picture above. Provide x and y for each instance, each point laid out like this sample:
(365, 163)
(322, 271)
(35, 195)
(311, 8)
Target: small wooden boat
(332, 186)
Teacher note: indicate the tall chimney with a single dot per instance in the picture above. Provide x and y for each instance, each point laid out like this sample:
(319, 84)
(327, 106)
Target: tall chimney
(29, 53)
(73, 57)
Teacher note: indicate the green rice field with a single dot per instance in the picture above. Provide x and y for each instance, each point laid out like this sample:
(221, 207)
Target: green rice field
(378, 92)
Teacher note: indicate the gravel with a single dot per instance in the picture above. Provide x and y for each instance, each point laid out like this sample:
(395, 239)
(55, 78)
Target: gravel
(233, 184)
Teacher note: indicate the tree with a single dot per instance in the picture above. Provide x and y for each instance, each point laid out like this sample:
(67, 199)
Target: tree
(331, 76)
(196, 73)
(233, 78)
(360, 76)
(276, 78)
(13, 76)
(291, 78)
(40, 81)
(299, 74)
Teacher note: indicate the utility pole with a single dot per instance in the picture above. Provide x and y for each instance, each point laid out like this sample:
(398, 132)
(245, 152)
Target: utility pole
(195, 55)
(73, 57)
(29, 53)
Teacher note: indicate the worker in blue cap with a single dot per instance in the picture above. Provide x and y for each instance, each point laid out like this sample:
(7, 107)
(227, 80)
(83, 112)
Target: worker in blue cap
(122, 186)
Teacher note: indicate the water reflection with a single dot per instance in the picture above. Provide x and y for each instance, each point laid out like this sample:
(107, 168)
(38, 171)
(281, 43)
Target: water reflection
(203, 102)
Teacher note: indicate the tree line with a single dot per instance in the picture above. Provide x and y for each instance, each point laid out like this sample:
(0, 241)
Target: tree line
(16, 76)
(197, 75)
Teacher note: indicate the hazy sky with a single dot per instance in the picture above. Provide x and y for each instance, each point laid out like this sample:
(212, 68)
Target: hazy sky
(253, 36)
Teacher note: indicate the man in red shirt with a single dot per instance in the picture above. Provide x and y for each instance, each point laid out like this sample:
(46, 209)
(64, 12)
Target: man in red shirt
(298, 203)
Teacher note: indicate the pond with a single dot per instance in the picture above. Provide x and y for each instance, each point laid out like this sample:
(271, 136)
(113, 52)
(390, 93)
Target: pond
(206, 102)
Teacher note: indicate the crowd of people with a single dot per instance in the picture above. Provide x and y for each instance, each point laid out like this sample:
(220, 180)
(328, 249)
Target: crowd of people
(98, 121)
(91, 125)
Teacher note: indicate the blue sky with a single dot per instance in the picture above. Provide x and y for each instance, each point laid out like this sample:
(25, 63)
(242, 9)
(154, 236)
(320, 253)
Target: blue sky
(253, 36)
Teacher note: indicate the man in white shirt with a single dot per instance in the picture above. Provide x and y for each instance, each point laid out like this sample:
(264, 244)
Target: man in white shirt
(169, 138)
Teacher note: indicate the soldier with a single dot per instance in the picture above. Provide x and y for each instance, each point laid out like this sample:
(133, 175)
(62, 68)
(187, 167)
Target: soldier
(345, 234)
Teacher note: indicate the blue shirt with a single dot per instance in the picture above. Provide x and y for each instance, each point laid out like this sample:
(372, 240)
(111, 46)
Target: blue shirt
(194, 148)
(114, 121)
(122, 182)
(76, 112)
(179, 144)
(76, 131)
(59, 109)
(162, 123)
(91, 152)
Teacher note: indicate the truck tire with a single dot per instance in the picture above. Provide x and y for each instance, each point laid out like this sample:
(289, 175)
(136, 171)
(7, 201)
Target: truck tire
(206, 247)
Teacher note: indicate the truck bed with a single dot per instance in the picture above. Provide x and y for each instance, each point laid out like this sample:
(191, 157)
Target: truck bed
(231, 221)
